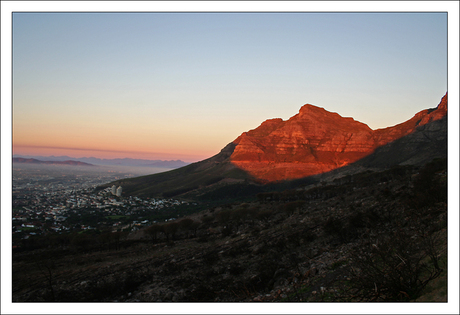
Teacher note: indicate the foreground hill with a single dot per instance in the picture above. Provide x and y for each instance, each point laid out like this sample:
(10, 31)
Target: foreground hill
(375, 236)
(312, 142)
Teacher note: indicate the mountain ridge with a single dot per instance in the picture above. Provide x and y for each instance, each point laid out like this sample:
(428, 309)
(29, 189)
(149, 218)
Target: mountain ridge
(312, 143)
(315, 141)
(116, 161)
(36, 161)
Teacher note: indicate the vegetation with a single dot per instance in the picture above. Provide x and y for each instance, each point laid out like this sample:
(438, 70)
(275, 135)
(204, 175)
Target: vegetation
(365, 237)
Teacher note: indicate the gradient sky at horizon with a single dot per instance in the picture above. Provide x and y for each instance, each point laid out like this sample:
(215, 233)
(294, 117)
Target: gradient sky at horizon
(183, 85)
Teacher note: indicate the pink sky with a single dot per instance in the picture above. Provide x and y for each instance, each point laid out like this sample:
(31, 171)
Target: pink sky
(104, 154)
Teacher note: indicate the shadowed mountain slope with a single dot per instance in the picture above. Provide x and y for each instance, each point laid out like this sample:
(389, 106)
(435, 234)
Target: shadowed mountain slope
(182, 180)
(427, 143)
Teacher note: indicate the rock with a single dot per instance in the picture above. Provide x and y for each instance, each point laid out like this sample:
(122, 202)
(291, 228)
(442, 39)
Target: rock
(316, 141)
(259, 248)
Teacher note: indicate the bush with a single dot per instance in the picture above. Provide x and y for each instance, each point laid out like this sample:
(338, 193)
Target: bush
(210, 257)
(153, 231)
(170, 229)
(187, 224)
(394, 267)
(207, 220)
(333, 226)
(429, 187)
(226, 231)
(292, 206)
(356, 220)
(264, 214)
(345, 229)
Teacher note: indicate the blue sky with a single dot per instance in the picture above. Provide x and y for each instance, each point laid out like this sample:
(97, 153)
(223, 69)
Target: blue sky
(186, 84)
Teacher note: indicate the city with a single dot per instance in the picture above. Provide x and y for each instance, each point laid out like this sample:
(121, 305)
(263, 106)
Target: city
(65, 200)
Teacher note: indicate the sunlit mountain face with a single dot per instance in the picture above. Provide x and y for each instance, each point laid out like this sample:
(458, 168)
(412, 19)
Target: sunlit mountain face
(316, 141)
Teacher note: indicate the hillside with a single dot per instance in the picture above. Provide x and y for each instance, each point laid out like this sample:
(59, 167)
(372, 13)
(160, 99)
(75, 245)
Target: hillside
(373, 236)
(179, 181)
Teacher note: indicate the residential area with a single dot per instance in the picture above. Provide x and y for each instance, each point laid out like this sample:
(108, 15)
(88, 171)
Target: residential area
(59, 203)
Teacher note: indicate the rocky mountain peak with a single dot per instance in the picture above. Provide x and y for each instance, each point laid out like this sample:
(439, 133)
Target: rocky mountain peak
(316, 141)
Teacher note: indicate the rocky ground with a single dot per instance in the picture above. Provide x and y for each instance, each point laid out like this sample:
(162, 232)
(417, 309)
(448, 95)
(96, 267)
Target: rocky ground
(377, 236)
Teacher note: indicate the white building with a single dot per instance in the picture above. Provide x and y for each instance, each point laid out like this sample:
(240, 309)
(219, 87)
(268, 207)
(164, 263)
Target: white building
(119, 190)
(114, 190)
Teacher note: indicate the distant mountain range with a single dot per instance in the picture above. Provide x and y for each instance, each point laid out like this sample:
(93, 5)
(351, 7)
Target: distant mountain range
(96, 161)
(312, 143)
(35, 161)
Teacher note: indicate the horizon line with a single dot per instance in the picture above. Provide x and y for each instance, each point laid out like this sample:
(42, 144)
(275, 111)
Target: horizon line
(160, 155)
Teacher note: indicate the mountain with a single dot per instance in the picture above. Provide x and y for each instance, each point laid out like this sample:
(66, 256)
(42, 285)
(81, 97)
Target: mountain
(316, 141)
(35, 161)
(135, 162)
(117, 161)
(313, 142)
(193, 176)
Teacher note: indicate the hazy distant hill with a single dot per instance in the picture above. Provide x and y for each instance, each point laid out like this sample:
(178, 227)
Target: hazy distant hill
(312, 142)
(121, 162)
(35, 161)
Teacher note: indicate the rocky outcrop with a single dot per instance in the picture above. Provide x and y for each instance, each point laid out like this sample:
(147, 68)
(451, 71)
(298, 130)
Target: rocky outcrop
(316, 141)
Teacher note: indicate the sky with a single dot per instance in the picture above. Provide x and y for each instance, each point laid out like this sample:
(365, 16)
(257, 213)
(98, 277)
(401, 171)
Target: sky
(183, 85)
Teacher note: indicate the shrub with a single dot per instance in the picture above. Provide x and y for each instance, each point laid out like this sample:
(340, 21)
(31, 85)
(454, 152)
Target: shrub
(186, 225)
(356, 220)
(153, 231)
(429, 187)
(394, 267)
(333, 225)
(170, 229)
(210, 257)
(292, 206)
(224, 216)
(207, 220)
(238, 216)
(226, 231)
(264, 214)
(342, 229)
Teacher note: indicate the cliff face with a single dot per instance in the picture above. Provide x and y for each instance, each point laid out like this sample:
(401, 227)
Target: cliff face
(316, 141)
